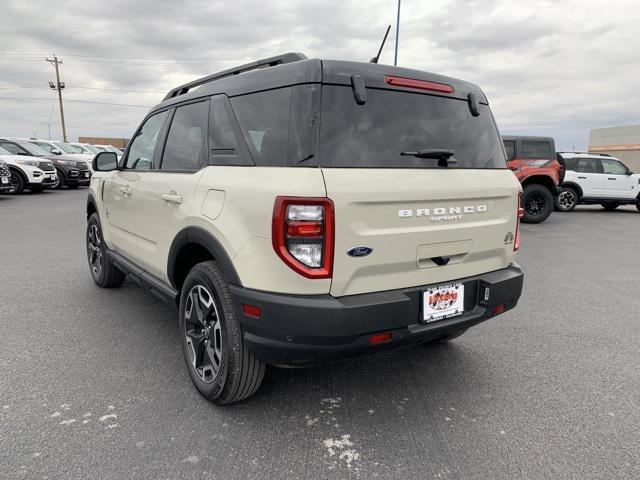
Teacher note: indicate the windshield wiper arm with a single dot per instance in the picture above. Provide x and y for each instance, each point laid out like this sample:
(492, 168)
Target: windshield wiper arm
(443, 155)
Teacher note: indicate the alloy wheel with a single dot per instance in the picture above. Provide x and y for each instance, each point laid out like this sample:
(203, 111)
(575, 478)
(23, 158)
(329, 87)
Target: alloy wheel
(94, 249)
(203, 333)
(566, 199)
(534, 204)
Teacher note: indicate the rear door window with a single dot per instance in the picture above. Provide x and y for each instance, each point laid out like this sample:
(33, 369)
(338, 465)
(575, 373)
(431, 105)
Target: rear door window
(536, 150)
(225, 147)
(588, 165)
(184, 149)
(375, 135)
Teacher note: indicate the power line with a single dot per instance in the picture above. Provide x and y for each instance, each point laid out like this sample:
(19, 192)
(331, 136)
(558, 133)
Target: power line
(117, 90)
(74, 101)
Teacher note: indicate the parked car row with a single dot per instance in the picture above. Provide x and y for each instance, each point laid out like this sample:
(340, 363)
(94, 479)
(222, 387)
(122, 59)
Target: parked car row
(36, 165)
(561, 180)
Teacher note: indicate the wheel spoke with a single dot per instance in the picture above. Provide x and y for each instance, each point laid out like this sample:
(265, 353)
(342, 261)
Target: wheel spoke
(203, 333)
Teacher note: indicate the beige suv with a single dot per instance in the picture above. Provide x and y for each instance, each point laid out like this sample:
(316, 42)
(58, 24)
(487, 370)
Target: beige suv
(297, 211)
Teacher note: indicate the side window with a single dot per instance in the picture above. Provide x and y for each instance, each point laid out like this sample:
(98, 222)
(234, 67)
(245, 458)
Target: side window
(185, 141)
(264, 120)
(510, 147)
(570, 164)
(45, 146)
(13, 148)
(537, 149)
(143, 145)
(613, 167)
(588, 165)
(225, 147)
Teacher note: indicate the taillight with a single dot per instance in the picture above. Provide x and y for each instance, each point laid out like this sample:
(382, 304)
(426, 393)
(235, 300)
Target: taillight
(520, 210)
(302, 234)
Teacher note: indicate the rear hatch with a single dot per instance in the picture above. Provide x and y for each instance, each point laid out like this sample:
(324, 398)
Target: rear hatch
(418, 176)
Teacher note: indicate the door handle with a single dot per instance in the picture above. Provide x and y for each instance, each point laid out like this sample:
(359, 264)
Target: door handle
(611, 178)
(171, 198)
(582, 178)
(126, 191)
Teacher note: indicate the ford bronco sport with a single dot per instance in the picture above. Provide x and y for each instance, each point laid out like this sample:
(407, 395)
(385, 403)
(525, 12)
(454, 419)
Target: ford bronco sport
(533, 160)
(298, 210)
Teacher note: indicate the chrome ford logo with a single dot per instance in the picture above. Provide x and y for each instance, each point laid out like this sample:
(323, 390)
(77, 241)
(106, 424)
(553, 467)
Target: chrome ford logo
(359, 251)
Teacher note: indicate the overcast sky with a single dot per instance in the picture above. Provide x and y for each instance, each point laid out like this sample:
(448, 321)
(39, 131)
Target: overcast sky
(553, 68)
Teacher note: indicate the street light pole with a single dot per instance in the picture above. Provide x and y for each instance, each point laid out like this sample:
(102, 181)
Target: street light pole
(59, 86)
(395, 57)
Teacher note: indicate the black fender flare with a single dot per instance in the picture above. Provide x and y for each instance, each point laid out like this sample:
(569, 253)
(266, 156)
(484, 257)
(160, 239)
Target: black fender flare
(91, 202)
(201, 237)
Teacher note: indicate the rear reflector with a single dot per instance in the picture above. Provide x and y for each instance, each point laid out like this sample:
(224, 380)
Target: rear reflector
(499, 309)
(251, 310)
(419, 84)
(380, 338)
(520, 214)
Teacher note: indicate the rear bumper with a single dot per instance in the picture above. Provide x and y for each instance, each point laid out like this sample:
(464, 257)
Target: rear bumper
(300, 330)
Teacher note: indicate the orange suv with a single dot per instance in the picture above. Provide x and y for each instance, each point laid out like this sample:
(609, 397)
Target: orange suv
(533, 160)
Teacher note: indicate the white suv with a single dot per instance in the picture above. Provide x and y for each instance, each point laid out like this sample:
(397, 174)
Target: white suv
(298, 211)
(31, 173)
(597, 179)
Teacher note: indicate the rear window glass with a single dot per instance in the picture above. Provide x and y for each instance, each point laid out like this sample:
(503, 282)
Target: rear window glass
(375, 134)
(537, 149)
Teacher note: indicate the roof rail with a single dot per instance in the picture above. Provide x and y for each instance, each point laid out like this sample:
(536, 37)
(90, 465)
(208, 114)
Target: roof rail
(255, 65)
(585, 153)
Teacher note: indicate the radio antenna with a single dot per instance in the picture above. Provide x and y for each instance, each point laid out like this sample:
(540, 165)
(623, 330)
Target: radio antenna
(377, 57)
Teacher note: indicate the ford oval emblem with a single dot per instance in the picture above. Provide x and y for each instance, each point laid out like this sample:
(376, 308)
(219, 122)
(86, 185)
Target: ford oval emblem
(359, 251)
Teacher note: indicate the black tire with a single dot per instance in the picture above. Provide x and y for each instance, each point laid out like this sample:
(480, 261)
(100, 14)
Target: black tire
(638, 205)
(537, 201)
(447, 337)
(610, 206)
(60, 183)
(17, 181)
(224, 371)
(567, 200)
(103, 271)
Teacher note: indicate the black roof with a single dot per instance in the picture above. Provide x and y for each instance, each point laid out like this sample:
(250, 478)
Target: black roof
(294, 69)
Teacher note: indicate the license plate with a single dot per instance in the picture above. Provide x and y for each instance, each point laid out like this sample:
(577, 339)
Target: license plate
(52, 177)
(443, 301)
(86, 174)
(5, 180)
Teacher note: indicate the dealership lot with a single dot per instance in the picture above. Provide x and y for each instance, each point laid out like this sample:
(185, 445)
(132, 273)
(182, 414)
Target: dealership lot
(93, 384)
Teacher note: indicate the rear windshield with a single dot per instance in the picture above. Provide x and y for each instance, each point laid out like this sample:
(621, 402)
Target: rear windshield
(375, 134)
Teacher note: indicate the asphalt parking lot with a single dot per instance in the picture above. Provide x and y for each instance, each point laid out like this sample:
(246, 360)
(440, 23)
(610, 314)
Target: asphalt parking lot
(92, 381)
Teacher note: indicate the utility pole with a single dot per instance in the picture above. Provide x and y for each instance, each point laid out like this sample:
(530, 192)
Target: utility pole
(395, 57)
(59, 86)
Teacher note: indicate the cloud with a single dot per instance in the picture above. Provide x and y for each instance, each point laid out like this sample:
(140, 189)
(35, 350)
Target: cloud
(549, 68)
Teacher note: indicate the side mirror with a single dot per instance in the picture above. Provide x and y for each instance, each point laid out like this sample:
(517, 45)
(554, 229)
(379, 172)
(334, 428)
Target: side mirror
(629, 172)
(105, 162)
(55, 151)
(20, 152)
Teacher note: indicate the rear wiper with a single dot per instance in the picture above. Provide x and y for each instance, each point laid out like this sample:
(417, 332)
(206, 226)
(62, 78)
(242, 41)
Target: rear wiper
(443, 155)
